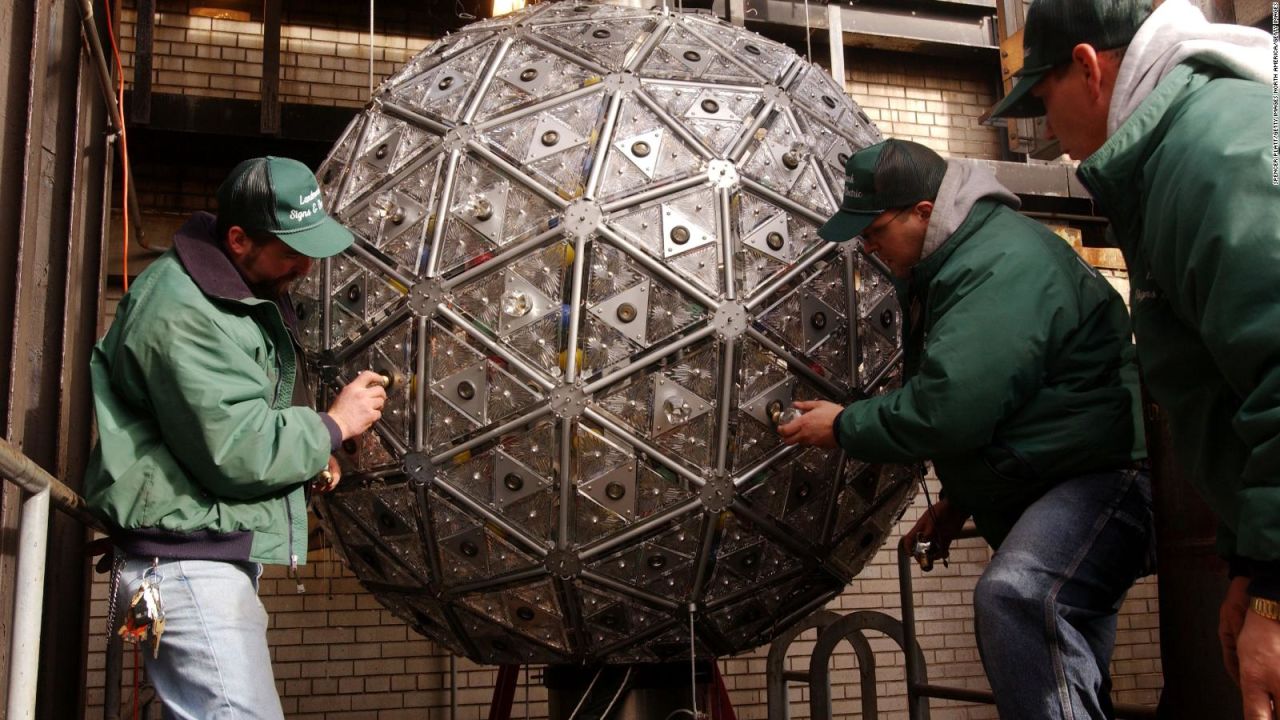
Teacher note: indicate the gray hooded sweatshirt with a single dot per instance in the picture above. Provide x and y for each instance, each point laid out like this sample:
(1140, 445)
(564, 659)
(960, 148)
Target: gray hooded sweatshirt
(963, 185)
(1177, 31)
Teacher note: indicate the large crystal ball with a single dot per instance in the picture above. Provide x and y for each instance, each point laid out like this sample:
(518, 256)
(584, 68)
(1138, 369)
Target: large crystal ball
(587, 259)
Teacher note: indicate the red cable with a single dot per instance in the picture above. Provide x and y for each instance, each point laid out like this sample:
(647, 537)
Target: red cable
(124, 146)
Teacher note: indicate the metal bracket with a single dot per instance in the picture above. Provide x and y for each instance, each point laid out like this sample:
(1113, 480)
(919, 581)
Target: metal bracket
(722, 174)
(564, 564)
(418, 467)
(567, 401)
(674, 405)
(731, 319)
(627, 312)
(581, 218)
(426, 296)
(717, 493)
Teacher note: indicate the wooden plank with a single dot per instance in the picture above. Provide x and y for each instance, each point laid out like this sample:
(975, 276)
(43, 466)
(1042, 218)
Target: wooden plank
(1105, 258)
(143, 54)
(270, 120)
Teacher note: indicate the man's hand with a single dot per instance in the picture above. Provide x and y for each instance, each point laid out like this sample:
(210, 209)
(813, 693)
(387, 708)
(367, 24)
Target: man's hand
(323, 484)
(939, 525)
(359, 404)
(1258, 649)
(814, 426)
(1231, 617)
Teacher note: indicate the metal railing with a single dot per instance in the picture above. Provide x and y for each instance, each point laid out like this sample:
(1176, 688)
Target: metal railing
(833, 629)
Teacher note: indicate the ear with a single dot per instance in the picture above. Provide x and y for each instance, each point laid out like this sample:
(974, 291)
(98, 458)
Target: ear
(1086, 58)
(238, 242)
(924, 209)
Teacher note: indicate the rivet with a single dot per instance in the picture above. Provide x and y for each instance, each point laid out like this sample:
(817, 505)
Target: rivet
(550, 137)
(692, 56)
(626, 312)
(710, 106)
(528, 74)
(679, 234)
(640, 148)
(466, 390)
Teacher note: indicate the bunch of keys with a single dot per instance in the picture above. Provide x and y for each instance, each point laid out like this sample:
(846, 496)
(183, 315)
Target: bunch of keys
(145, 617)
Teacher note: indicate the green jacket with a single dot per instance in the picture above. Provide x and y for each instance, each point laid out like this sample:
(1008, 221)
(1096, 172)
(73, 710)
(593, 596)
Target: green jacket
(1019, 371)
(1190, 194)
(200, 454)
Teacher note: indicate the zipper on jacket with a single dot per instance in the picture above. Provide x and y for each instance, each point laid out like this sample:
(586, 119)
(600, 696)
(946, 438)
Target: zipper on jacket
(293, 556)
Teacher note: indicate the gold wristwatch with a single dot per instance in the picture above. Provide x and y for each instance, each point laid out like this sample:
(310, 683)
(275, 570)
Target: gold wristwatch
(1269, 609)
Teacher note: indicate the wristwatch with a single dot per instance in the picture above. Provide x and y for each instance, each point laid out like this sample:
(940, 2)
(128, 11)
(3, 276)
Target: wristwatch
(1269, 609)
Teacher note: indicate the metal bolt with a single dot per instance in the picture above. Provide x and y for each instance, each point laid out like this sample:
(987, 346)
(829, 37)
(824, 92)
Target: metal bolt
(446, 82)
(791, 159)
(710, 106)
(626, 312)
(640, 148)
(775, 240)
(819, 320)
(525, 613)
(354, 293)
(528, 74)
(484, 210)
(615, 491)
(397, 216)
(679, 234)
(829, 101)
(513, 482)
(751, 49)
(469, 548)
(381, 152)
(601, 34)
(657, 562)
(466, 390)
(886, 319)
(550, 137)
(692, 55)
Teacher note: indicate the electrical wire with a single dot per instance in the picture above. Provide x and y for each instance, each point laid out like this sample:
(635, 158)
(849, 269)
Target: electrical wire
(124, 148)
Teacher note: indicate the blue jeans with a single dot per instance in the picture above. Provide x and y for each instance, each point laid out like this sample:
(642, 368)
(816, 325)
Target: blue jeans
(1045, 609)
(213, 663)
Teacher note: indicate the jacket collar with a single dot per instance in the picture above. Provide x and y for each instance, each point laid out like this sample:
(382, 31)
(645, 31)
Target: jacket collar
(925, 270)
(1113, 171)
(204, 260)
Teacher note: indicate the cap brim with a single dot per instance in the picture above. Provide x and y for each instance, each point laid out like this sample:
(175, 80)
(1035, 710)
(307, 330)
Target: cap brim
(325, 239)
(846, 225)
(1020, 102)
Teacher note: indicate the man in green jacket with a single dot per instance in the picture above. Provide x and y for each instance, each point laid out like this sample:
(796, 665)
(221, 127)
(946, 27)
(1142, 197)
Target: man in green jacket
(1019, 386)
(1174, 122)
(206, 439)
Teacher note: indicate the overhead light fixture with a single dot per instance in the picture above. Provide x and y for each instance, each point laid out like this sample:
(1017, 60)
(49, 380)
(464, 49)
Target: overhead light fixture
(224, 10)
(504, 7)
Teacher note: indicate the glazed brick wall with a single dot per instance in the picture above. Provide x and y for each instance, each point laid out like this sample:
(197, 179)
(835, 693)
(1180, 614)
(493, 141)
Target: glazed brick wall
(339, 656)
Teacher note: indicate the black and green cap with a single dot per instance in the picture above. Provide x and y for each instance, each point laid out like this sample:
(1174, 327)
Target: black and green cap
(280, 197)
(1052, 31)
(888, 175)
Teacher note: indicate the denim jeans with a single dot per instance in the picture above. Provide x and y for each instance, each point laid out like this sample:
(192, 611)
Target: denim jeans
(213, 662)
(1045, 609)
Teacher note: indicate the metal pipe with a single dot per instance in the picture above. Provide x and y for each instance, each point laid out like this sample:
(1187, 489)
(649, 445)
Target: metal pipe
(826, 385)
(819, 252)
(725, 222)
(494, 62)
(784, 202)
(442, 213)
(575, 308)
(566, 480)
(518, 175)
(606, 136)
(26, 474)
(496, 348)
(675, 125)
(727, 370)
(90, 33)
(657, 267)
(28, 606)
(645, 360)
(653, 193)
(644, 447)
(456, 450)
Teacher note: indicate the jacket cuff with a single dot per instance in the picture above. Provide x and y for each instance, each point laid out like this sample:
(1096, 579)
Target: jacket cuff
(335, 433)
(835, 426)
(1265, 580)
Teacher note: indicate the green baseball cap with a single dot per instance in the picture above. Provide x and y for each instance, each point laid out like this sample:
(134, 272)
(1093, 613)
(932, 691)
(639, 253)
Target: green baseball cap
(887, 175)
(281, 197)
(1052, 31)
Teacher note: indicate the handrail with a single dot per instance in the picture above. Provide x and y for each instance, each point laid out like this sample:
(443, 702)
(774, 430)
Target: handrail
(26, 474)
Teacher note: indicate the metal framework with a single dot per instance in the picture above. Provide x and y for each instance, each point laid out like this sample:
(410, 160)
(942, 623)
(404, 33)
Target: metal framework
(587, 257)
